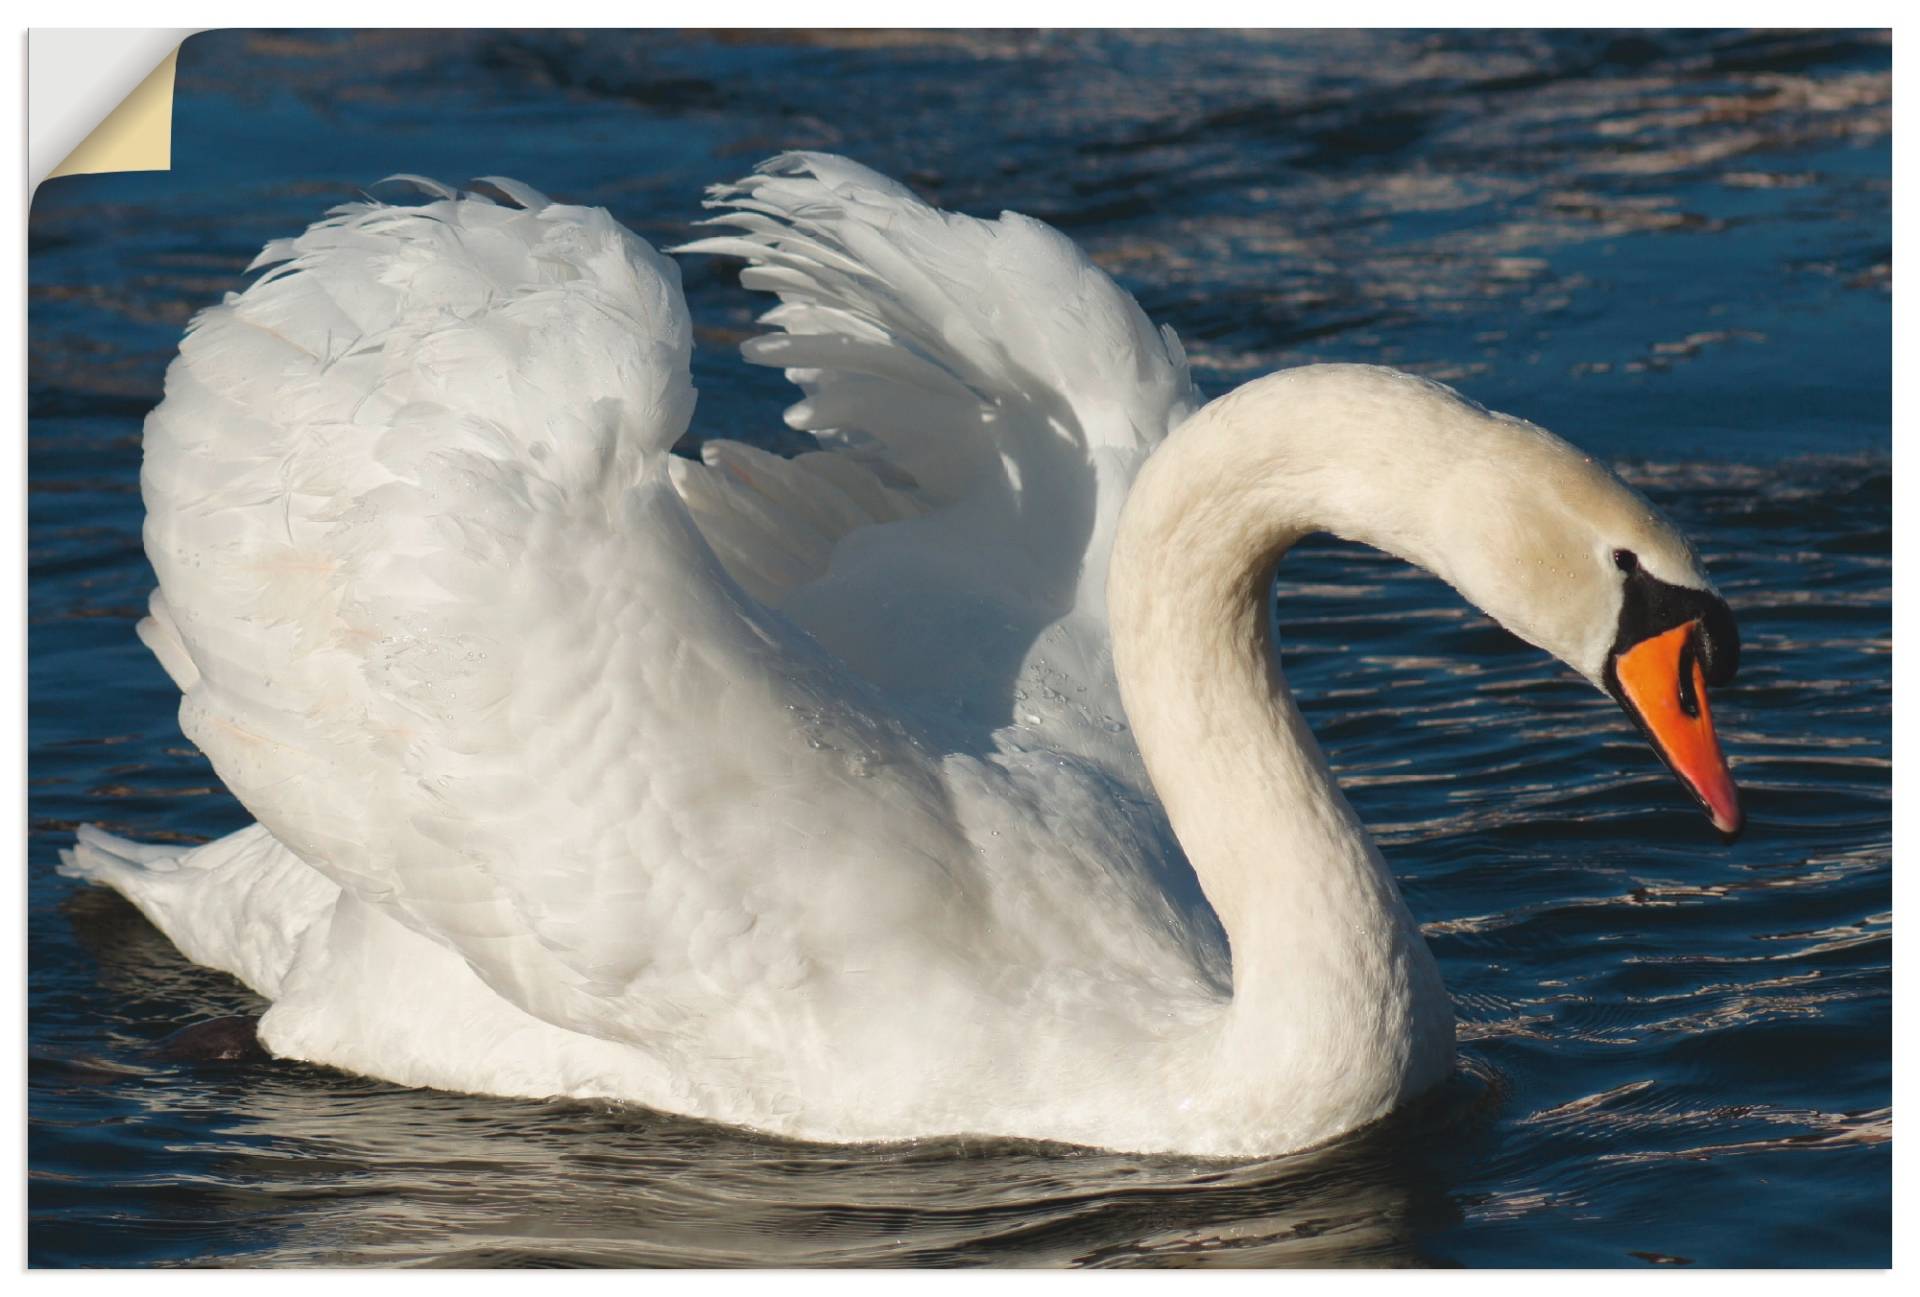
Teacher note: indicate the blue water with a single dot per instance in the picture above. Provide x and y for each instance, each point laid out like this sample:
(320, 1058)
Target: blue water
(1673, 249)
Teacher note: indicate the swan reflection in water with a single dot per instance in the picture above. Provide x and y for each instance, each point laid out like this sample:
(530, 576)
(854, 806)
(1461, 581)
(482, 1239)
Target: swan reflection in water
(281, 1163)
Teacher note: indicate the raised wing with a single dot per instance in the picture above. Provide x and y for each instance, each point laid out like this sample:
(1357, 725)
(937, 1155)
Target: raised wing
(443, 625)
(984, 395)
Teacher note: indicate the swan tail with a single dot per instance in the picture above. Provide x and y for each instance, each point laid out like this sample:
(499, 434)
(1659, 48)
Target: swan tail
(947, 355)
(240, 904)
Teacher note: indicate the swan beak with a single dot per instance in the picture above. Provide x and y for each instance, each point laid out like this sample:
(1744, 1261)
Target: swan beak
(1661, 684)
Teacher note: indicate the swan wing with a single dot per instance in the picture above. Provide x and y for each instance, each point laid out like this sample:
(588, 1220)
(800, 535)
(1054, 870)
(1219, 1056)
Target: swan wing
(443, 625)
(983, 394)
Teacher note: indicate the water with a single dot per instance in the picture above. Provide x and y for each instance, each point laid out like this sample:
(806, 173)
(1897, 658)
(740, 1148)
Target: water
(1674, 249)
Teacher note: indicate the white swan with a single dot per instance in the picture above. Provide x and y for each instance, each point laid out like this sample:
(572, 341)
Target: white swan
(835, 796)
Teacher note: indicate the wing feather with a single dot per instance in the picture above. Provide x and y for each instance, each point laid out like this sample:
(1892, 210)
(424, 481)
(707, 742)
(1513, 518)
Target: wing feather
(1002, 387)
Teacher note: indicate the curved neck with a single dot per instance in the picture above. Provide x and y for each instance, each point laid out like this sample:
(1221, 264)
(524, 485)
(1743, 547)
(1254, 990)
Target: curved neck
(1317, 927)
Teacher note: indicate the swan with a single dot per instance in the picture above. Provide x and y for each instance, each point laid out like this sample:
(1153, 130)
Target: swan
(940, 780)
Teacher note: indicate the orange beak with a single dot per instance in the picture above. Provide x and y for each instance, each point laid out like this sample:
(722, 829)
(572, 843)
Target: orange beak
(1663, 688)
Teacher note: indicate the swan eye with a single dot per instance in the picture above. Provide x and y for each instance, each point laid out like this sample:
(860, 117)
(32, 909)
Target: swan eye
(1626, 560)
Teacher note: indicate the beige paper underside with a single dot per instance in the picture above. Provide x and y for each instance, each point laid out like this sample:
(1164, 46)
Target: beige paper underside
(136, 136)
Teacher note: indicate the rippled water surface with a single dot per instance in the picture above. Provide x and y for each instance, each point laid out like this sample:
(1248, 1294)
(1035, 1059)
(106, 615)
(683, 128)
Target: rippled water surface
(1673, 249)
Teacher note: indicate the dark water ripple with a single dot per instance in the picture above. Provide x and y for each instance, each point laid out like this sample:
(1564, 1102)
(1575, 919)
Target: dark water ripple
(1672, 247)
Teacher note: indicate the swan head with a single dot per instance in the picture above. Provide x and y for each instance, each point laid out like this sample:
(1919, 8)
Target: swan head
(1560, 551)
(1542, 537)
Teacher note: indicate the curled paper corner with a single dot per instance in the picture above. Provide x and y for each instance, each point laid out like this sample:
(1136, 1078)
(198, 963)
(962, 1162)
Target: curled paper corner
(101, 100)
(136, 136)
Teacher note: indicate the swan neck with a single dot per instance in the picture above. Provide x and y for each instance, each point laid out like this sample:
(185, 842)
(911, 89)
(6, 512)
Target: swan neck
(1309, 908)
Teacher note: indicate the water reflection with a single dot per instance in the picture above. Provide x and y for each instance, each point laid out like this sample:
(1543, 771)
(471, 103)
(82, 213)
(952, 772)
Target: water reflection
(305, 1166)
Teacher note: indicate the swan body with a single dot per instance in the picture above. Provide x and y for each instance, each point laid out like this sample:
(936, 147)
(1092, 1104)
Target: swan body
(941, 780)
